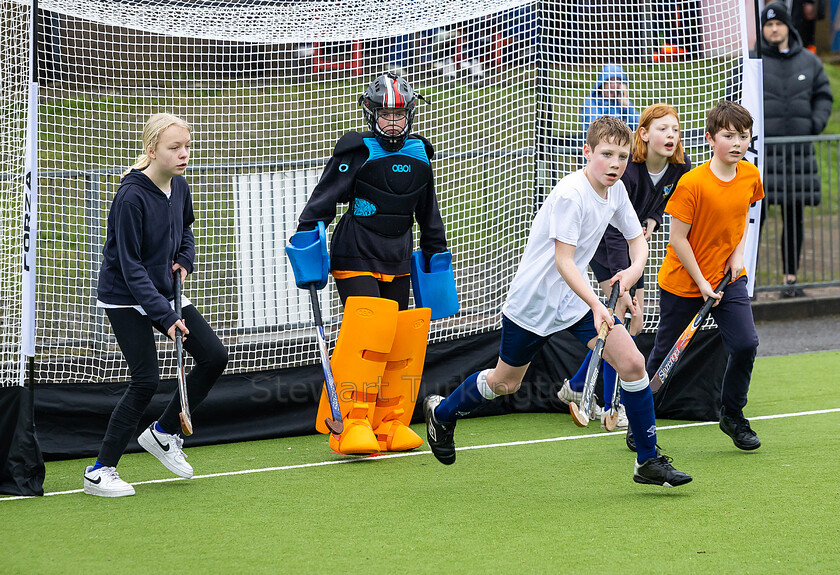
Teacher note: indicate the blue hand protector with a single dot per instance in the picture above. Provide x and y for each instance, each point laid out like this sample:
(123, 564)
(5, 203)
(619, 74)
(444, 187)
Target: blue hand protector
(308, 255)
(435, 288)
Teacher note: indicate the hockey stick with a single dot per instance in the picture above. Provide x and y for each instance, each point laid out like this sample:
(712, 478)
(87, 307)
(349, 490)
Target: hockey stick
(186, 418)
(581, 414)
(336, 424)
(611, 420)
(674, 355)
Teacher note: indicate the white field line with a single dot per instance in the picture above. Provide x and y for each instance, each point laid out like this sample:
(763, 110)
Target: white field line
(413, 453)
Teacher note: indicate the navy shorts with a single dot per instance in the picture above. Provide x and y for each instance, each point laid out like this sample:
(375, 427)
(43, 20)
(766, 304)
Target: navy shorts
(520, 346)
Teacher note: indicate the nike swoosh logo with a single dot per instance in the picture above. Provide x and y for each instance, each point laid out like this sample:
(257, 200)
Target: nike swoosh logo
(162, 446)
(94, 481)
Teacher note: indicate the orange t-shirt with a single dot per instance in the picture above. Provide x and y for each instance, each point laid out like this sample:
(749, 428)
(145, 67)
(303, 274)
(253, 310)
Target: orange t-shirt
(717, 212)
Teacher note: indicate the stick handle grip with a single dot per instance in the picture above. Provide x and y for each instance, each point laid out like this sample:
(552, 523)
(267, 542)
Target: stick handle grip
(316, 307)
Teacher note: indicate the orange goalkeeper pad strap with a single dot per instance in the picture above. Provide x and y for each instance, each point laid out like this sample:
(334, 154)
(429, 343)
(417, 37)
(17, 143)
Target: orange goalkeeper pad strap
(387, 278)
(367, 330)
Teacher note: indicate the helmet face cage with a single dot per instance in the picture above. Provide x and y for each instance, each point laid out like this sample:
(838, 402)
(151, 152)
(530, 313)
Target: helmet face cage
(389, 98)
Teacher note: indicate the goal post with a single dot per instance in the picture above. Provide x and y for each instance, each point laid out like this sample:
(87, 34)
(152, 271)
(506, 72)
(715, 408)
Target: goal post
(268, 88)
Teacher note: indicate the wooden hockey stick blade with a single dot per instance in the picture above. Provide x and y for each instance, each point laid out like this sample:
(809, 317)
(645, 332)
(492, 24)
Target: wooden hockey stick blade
(611, 421)
(186, 424)
(336, 427)
(655, 383)
(578, 416)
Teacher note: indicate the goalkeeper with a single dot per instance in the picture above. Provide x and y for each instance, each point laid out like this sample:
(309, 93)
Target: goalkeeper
(385, 175)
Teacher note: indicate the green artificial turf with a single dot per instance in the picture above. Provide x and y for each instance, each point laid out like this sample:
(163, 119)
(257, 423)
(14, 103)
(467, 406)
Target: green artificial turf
(555, 506)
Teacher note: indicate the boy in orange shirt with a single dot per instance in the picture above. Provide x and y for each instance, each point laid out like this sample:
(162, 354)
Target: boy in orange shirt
(708, 231)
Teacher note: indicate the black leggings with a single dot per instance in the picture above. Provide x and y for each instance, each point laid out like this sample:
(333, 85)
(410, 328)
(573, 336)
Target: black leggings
(396, 290)
(792, 236)
(137, 343)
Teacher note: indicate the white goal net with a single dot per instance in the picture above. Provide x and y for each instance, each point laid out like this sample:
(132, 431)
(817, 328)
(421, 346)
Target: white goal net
(268, 88)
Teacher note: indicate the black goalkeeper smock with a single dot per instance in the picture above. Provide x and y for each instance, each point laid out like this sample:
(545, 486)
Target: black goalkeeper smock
(387, 192)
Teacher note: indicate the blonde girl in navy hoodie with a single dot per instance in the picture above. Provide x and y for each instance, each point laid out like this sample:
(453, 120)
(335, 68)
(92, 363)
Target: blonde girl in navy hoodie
(148, 240)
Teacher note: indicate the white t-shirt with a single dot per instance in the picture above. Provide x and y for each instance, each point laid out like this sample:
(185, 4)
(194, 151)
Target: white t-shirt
(658, 175)
(539, 300)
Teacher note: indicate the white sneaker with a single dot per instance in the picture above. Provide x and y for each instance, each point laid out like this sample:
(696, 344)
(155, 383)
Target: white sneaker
(596, 412)
(567, 396)
(106, 482)
(622, 423)
(477, 70)
(167, 448)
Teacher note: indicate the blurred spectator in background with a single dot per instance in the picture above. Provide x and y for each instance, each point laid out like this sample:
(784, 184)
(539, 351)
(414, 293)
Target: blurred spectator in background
(797, 102)
(610, 96)
(804, 15)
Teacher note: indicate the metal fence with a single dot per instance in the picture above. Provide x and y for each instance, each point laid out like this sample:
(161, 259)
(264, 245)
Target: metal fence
(800, 207)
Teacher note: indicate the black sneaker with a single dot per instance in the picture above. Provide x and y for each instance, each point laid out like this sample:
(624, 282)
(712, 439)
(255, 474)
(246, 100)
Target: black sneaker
(659, 471)
(628, 439)
(441, 436)
(792, 290)
(738, 428)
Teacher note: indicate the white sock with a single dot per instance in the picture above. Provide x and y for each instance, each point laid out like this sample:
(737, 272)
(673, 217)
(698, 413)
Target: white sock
(635, 385)
(483, 388)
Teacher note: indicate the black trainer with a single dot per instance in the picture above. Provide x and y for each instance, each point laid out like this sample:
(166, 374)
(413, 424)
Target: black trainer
(628, 439)
(738, 428)
(659, 471)
(792, 290)
(441, 436)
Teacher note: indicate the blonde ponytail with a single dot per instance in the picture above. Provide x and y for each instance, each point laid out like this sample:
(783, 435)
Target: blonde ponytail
(155, 126)
(142, 162)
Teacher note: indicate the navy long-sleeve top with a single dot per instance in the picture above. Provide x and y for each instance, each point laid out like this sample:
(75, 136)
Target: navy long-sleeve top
(649, 202)
(147, 233)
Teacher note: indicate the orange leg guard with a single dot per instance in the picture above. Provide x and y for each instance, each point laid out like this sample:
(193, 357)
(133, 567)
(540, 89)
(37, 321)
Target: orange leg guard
(401, 382)
(367, 332)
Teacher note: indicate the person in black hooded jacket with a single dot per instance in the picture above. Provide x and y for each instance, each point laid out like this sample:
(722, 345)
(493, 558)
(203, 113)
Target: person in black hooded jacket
(797, 102)
(148, 240)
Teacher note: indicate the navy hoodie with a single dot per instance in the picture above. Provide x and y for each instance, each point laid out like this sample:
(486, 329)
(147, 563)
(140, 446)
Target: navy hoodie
(147, 233)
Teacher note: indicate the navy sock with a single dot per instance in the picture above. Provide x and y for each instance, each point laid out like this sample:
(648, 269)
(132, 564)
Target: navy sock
(610, 381)
(159, 429)
(461, 401)
(97, 465)
(639, 406)
(578, 379)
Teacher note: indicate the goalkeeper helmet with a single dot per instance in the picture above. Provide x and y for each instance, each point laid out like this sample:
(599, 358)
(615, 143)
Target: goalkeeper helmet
(389, 104)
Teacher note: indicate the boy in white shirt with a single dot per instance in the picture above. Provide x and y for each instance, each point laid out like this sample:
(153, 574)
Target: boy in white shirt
(550, 293)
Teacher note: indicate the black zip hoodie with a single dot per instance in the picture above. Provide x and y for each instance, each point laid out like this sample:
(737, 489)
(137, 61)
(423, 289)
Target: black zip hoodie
(147, 233)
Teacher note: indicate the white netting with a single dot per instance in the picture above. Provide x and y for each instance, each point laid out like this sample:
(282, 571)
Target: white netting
(14, 76)
(268, 88)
